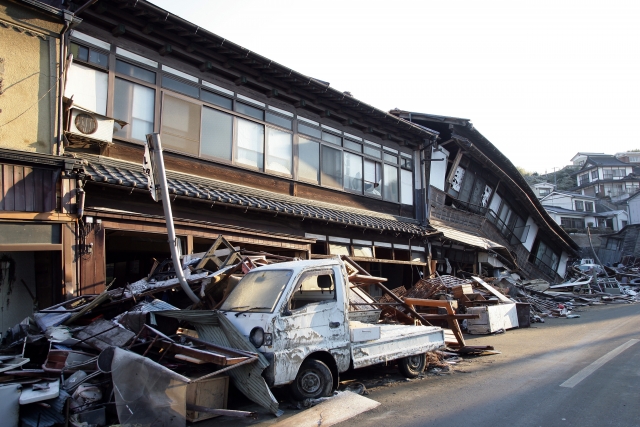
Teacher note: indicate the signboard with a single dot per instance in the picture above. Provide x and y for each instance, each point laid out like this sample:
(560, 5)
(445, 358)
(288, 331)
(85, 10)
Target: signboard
(149, 170)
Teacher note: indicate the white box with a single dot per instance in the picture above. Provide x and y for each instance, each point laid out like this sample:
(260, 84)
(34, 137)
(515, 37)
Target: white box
(492, 318)
(365, 334)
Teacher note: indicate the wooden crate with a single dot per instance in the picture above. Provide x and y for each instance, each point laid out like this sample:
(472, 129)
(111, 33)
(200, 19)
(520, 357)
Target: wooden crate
(211, 393)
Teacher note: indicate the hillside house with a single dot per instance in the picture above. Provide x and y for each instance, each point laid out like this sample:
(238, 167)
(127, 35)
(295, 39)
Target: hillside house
(606, 176)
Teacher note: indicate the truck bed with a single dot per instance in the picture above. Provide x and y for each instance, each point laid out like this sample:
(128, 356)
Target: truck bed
(395, 342)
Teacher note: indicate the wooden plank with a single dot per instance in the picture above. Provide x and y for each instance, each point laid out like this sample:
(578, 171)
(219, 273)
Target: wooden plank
(48, 191)
(9, 198)
(37, 216)
(2, 187)
(29, 247)
(92, 265)
(29, 189)
(68, 258)
(38, 189)
(18, 185)
(491, 290)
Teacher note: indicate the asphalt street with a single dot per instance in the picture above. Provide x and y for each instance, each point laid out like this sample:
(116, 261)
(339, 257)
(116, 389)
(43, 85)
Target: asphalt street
(565, 372)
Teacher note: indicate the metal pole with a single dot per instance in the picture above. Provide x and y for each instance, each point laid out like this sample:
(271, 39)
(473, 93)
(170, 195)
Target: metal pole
(153, 139)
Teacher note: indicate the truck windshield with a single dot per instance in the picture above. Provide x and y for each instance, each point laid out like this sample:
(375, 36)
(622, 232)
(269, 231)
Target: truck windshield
(258, 291)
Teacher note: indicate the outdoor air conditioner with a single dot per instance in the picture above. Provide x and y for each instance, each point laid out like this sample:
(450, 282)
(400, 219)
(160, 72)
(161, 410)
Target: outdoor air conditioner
(91, 125)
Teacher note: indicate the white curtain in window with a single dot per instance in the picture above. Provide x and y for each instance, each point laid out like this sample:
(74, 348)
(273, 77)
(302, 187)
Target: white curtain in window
(88, 87)
(352, 172)
(279, 151)
(406, 185)
(390, 183)
(250, 144)
(308, 159)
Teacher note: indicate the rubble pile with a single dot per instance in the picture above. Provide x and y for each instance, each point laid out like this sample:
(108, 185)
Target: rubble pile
(132, 355)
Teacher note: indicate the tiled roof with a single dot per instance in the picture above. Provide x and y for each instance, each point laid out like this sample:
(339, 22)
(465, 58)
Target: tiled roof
(126, 174)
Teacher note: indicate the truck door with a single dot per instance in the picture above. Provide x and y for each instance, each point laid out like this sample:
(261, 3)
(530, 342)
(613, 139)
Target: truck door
(314, 319)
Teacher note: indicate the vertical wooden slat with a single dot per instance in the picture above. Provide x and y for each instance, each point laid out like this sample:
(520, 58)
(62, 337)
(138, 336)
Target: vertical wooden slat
(68, 193)
(1, 187)
(18, 184)
(49, 190)
(69, 246)
(29, 189)
(9, 199)
(38, 189)
(92, 265)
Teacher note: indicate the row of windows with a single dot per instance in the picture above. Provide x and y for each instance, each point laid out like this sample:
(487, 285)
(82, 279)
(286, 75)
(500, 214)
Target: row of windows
(582, 206)
(201, 119)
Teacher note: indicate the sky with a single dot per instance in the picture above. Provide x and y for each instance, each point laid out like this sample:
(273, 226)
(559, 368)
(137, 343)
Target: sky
(541, 80)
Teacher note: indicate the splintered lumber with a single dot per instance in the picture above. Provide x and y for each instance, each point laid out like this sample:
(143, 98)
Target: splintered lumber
(451, 317)
(387, 291)
(491, 290)
(366, 280)
(225, 412)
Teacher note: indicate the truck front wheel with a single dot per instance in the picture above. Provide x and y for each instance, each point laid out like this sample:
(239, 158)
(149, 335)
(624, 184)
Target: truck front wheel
(412, 366)
(314, 380)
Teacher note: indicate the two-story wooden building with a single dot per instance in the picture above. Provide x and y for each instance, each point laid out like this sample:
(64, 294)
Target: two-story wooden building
(272, 159)
(475, 189)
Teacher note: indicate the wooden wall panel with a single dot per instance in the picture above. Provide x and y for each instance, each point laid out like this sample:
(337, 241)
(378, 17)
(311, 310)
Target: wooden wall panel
(27, 189)
(9, 199)
(92, 265)
(69, 245)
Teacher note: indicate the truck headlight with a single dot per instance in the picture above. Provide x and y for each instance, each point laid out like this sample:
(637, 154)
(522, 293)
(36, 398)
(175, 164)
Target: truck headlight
(257, 336)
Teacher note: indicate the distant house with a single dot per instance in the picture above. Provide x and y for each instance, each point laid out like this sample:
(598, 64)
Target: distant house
(543, 189)
(581, 157)
(577, 211)
(606, 176)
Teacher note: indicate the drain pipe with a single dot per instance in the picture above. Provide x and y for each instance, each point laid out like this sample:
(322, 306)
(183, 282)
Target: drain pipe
(158, 173)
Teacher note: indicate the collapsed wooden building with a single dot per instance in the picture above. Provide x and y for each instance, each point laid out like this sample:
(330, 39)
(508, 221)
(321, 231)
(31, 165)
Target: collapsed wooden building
(269, 158)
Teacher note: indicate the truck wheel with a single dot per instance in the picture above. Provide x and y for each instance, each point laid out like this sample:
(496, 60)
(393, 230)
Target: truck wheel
(412, 366)
(314, 380)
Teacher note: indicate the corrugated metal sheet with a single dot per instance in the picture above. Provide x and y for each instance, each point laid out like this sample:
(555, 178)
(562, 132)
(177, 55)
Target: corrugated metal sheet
(467, 238)
(216, 329)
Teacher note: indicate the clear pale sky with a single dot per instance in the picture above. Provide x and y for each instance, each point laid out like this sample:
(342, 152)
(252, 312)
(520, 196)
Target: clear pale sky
(541, 80)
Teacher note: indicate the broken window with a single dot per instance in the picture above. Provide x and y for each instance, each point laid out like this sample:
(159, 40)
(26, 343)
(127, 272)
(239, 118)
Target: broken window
(258, 291)
(313, 287)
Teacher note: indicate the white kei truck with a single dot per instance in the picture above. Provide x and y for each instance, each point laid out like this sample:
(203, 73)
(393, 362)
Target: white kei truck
(297, 314)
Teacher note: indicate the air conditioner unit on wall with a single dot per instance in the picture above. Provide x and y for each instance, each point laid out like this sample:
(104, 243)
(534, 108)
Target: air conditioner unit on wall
(90, 125)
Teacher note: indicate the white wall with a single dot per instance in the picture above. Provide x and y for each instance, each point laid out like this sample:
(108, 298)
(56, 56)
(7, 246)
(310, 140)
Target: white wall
(533, 232)
(562, 265)
(438, 172)
(558, 200)
(634, 210)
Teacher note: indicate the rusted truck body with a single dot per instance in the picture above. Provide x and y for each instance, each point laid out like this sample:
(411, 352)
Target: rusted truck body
(296, 314)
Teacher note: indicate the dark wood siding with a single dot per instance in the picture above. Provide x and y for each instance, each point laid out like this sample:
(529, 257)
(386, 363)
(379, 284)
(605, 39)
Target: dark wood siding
(27, 189)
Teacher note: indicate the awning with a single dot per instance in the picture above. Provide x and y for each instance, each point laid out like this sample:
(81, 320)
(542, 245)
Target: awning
(103, 170)
(475, 240)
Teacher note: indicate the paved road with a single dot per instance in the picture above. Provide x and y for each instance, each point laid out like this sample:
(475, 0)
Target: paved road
(522, 386)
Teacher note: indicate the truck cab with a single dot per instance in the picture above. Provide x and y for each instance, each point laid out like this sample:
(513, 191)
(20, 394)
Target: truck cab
(296, 314)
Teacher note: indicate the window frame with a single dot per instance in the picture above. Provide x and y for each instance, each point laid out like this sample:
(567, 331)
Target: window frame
(366, 149)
